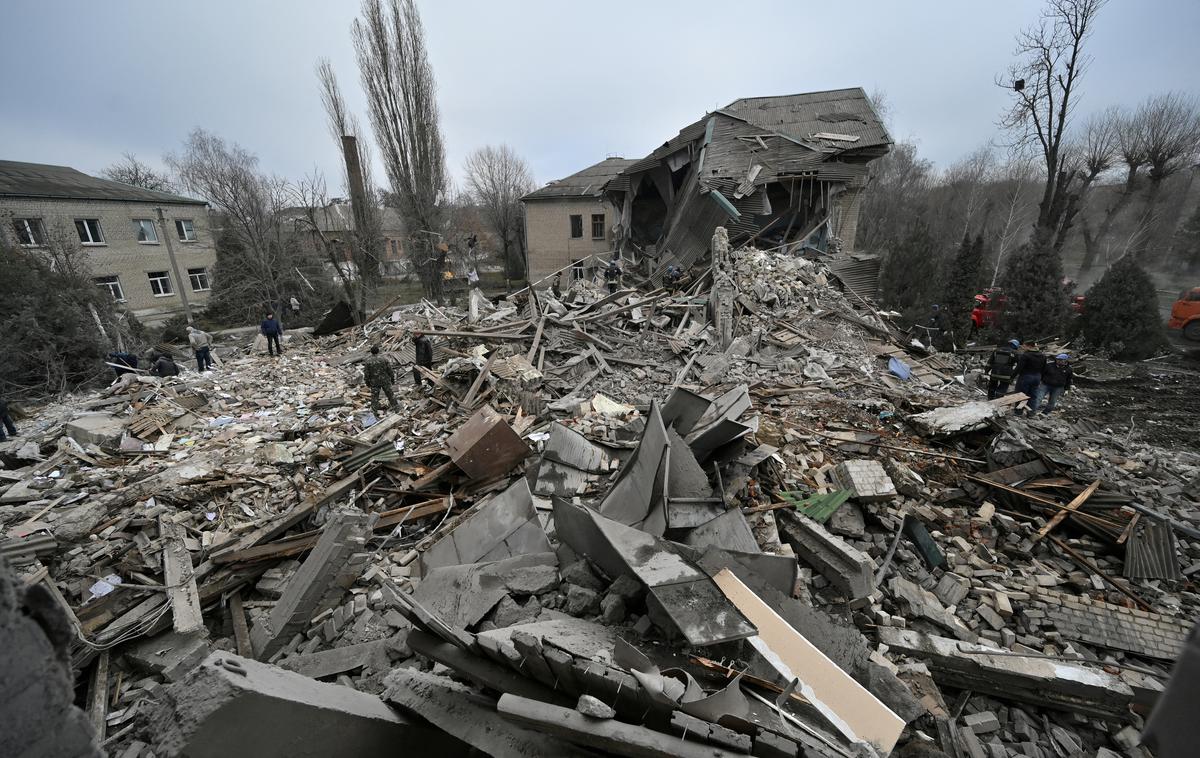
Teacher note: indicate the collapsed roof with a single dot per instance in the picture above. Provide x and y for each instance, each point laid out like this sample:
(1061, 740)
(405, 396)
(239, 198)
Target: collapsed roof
(786, 169)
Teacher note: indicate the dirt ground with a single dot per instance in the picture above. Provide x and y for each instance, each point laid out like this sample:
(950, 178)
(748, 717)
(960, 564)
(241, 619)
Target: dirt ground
(1160, 399)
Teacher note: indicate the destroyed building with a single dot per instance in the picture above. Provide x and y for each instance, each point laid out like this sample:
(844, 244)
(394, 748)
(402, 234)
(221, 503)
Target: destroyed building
(778, 170)
(620, 524)
(569, 223)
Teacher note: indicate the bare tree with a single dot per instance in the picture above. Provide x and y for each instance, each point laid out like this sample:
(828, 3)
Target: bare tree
(498, 178)
(1014, 181)
(1044, 82)
(129, 170)
(366, 238)
(389, 41)
(1131, 150)
(1171, 127)
(967, 178)
(257, 263)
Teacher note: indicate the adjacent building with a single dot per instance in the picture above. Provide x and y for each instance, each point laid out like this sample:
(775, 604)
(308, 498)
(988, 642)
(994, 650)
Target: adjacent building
(149, 250)
(569, 222)
(776, 171)
(335, 221)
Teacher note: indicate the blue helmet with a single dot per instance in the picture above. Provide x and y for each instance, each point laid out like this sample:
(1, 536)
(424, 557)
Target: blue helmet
(1062, 357)
(1015, 343)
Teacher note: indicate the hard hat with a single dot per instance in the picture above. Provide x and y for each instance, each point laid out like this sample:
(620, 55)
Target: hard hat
(1062, 357)
(1015, 343)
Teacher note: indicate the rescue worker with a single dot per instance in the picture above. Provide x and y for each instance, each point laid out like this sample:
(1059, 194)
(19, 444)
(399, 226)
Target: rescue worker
(1030, 363)
(201, 343)
(1056, 381)
(6, 422)
(556, 286)
(423, 349)
(612, 275)
(295, 307)
(1002, 367)
(377, 373)
(164, 366)
(671, 279)
(937, 326)
(125, 362)
(273, 331)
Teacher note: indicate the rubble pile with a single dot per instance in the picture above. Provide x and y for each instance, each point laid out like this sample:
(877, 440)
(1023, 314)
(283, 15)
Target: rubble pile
(740, 518)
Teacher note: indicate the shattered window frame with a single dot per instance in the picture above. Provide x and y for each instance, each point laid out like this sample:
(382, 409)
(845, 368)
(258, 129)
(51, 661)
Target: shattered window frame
(113, 285)
(576, 226)
(598, 230)
(30, 232)
(145, 231)
(186, 229)
(578, 271)
(198, 278)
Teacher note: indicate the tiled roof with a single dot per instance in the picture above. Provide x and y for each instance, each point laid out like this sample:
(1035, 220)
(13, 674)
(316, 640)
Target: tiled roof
(41, 180)
(587, 183)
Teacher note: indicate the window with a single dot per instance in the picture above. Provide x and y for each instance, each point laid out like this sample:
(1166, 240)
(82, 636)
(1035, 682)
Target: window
(577, 271)
(576, 227)
(160, 283)
(89, 231)
(597, 226)
(29, 231)
(199, 279)
(145, 231)
(113, 285)
(185, 229)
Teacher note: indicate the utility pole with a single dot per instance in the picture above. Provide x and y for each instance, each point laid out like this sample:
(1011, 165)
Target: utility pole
(187, 306)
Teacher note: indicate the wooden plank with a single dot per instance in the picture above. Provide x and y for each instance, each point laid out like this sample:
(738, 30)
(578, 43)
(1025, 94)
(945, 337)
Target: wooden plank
(1057, 518)
(180, 578)
(845, 703)
(483, 374)
(537, 340)
(98, 697)
(1129, 528)
(241, 630)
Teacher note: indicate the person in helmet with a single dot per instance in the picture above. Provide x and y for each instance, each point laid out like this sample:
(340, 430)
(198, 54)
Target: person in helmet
(1056, 381)
(1002, 367)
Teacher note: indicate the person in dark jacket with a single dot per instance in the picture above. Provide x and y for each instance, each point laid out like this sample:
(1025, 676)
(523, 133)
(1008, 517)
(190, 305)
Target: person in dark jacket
(272, 330)
(6, 422)
(612, 275)
(424, 354)
(1002, 367)
(377, 373)
(164, 365)
(1056, 381)
(1030, 363)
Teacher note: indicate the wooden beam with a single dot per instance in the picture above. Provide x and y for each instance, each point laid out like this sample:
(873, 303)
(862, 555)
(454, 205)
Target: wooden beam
(241, 630)
(1057, 518)
(98, 697)
(483, 374)
(537, 339)
(180, 578)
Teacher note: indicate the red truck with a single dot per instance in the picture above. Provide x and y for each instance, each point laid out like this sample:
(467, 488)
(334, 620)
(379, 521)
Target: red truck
(1185, 314)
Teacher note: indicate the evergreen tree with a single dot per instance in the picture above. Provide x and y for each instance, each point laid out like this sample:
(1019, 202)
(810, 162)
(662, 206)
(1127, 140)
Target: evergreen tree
(909, 278)
(1187, 246)
(1120, 315)
(962, 283)
(1037, 302)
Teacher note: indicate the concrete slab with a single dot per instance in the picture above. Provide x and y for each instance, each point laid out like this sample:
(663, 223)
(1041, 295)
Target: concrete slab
(505, 526)
(639, 495)
(101, 429)
(729, 531)
(848, 569)
(462, 595)
(471, 718)
(231, 705)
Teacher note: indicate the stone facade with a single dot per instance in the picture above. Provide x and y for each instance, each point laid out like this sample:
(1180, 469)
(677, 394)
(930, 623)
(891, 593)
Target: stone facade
(549, 243)
(121, 255)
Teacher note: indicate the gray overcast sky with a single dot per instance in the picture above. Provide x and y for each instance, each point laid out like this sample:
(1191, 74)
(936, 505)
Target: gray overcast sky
(564, 83)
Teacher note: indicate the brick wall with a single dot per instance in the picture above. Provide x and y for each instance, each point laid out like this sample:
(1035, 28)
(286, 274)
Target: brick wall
(121, 254)
(1112, 626)
(548, 230)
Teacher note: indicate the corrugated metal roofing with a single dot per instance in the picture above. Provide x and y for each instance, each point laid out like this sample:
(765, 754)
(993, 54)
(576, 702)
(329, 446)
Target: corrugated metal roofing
(587, 183)
(860, 273)
(62, 182)
(1150, 551)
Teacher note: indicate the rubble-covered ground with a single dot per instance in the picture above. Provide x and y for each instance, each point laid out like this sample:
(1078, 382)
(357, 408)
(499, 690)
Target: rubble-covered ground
(706, 522)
